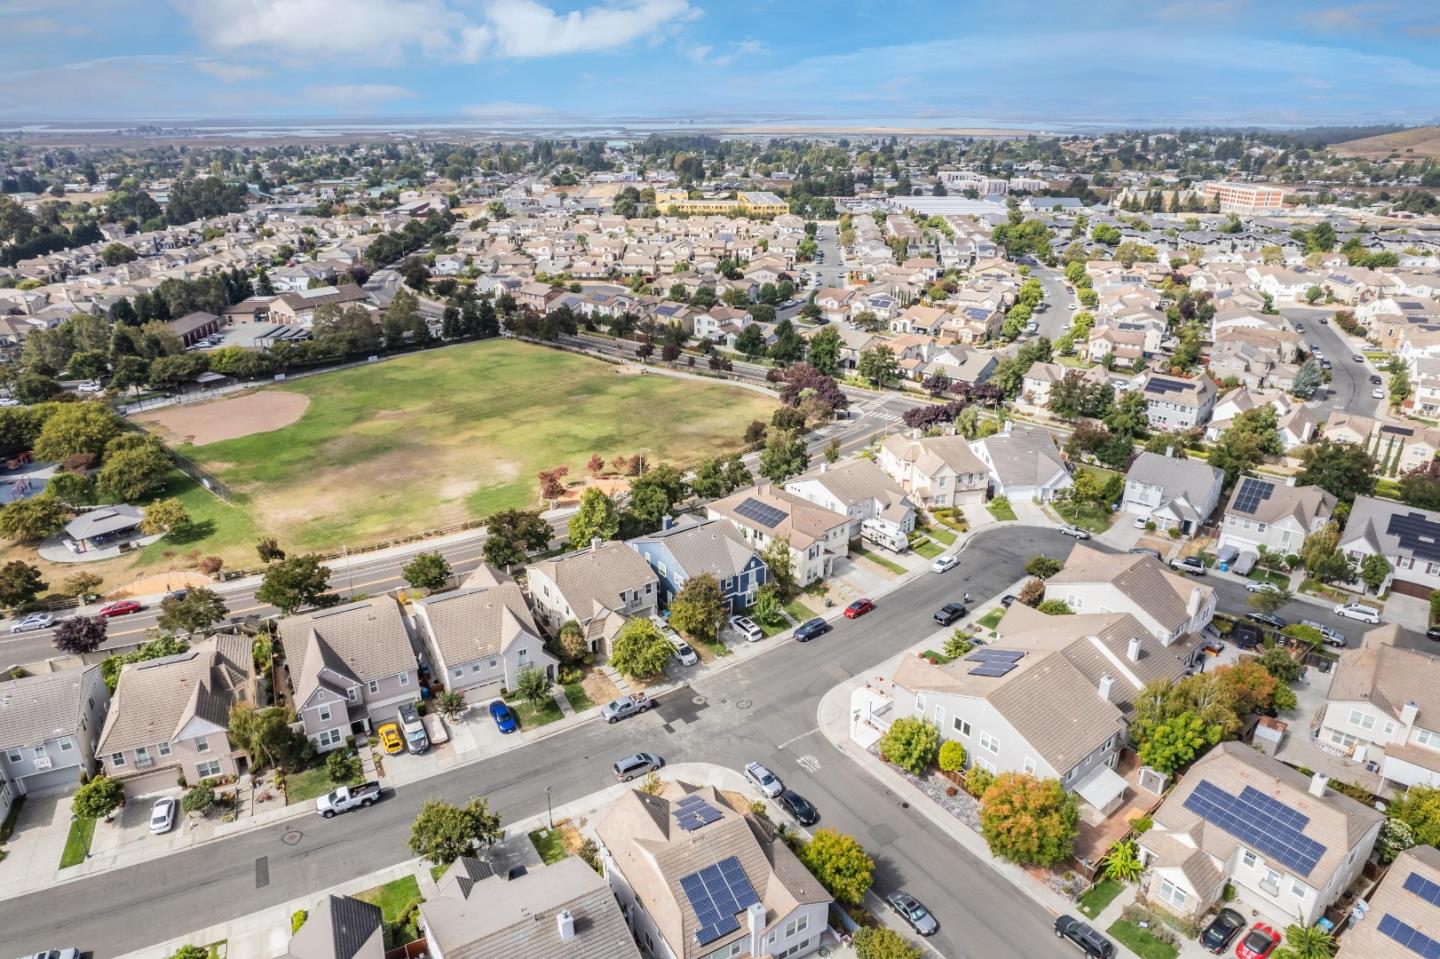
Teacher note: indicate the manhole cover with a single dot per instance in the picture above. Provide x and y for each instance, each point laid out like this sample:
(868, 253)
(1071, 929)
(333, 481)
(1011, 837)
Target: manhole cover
(742, 704)
(292, 837)
(699, 700)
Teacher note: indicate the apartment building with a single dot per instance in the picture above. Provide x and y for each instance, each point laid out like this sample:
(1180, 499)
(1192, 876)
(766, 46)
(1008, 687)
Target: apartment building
(1243, 197)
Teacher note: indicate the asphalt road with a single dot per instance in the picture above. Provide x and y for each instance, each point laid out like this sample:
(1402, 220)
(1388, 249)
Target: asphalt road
(1057, 316)
(829, 267)
(1350, 384)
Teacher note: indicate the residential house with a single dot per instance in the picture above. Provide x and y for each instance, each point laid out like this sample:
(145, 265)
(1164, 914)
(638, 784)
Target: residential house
(536, 296)
(1172, 493)
(1286, 843)
(299, 308)
(1176, 403)
(862, 491)
(1402, 920)
(481, 640)
(762, 514)
(48, 727)
(350, 668)
(1407, 536)
(340, 927)
(1171, 607)
(688, 548)
(170, 717)
(659, 853)
(1024, 463)
(1266, 512)
(935, 471)
(593, 586)
(1041, 378)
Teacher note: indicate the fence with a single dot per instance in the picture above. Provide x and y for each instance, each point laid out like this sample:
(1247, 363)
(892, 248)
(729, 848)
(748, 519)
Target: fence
(202, 476)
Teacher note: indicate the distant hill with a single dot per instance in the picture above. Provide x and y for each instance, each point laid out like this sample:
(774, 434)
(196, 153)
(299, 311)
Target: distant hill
(1415, 143)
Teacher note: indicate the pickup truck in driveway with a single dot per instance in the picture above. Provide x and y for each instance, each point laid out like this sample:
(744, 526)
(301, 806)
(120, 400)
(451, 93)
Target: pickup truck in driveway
(347, 798)
(625, 707)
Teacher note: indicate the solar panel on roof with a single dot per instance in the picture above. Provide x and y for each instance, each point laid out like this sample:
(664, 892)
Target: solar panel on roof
(1262, 822)
(1424, 888)
(993, 669)
(1409, 937)
(1164, 387)
(1416, 534)
(716, 893)
(990, 654)
(1252, 493)
(763, 513)
(693, 811)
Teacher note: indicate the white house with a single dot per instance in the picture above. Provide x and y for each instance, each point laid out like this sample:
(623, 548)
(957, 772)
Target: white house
(1266, 512)
(860, 490)
(1024, 463)
(1172, 608)
(1408, 538)
(817, 535)
(1172, 493)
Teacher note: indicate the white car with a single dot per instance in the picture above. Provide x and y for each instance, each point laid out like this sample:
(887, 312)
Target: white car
(747, 628)
(685, 653)
(943, 564)
(1359, 611)
(1377, 393)
(33, 621)
(8, 401)
(90, 387)
(1262, 588)
(767, 782)
(162, 815)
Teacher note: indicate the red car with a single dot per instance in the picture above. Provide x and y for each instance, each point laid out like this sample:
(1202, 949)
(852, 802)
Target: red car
(120, 607)
(858, 608)
(1258, 943)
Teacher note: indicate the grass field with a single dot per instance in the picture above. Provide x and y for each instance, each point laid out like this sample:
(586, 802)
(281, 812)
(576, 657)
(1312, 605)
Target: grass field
(394, 898)
(447, 435)
(550, 844)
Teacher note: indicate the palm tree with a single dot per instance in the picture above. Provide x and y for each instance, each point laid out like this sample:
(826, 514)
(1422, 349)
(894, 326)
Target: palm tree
(450, 704)
(1122, 862)
(533, 686)
(1309, 942)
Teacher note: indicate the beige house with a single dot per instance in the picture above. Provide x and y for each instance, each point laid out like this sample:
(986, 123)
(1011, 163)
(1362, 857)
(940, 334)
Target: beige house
(1404, 905)
(935, 470)
(598, 583)
(763, 514)
(481, 640)
(1172, 608)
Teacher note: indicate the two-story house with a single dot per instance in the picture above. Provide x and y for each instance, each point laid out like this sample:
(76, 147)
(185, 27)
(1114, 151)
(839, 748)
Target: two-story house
(1286, 843)
(763, 514)
(481, 640)
(1176, 403)
(602, 582)
(48, 727)
(936, 471)
(688, 547)
(1408, 538)
(1266, 512)
(1403, 918)
(1024, 463)
(1172, 608)
(350, 668)
(861, 491)
(340, 927)
(1172, 493)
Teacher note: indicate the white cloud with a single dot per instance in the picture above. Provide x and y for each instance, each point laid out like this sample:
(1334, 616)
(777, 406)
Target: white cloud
(356, 94)
(504, 110)
(706, 56)
(525, 28)
(228, 72)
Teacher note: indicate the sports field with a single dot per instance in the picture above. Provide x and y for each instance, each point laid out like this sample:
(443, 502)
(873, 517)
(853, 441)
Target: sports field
(437, 437)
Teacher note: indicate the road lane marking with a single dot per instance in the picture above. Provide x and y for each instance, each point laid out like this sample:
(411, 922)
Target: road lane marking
(790, 742)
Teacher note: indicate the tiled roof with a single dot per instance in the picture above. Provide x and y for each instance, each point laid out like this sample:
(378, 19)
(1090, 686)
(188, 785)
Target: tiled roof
(596, 576)
(340, 928)
(156, 699)
(363, 641)
(473, 623)
(37, 708)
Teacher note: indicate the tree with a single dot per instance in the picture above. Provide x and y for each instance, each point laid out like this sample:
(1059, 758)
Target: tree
(1374, 570)
(781, 566)
(82, 585)
(427, 571)
(1122, 862)
(1344, 470)
(1419, 809)
(912, 743)
(450, 703)
(164, 516)
(840, 864)
(699, 609)
(597, 518)
(511, 535)
(268, 549)
(573, 644)
(76, 428)
(552, 484)
(443, 832)
(1027, 820)
(824, 354)
(878, 942)
(1395, 837)
(805, 386)
(19, 583)
(197, 611)
(80, 634)
(751, 341)
(785, 455)
(1177, 742)
(1032, 593)
(293, 582)
(1251, 683)
(879, 365)
(652, 496)
(98, 798)
(1279, 662)
(1307, 942)
(719, 476)
(198, 799)
(1251, 436)
(31, 520)
(190, 952)
(640, 649)
(1269, 601)
(266, 736)
(1309, 379)
(133, 471)
(533, 686)
(1043, 567)
(1129, 416)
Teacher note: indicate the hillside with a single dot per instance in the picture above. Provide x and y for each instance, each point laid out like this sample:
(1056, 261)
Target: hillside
(1415, 143)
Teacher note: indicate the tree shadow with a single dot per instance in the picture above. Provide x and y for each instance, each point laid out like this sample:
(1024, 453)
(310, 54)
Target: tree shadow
(190, 532)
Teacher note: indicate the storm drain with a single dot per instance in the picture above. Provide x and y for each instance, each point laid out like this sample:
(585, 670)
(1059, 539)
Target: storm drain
(262, 872)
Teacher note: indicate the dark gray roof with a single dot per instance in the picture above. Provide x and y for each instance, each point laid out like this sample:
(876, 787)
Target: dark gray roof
(340, 928)
(106, 519)
(1192, 479)
(38, 708)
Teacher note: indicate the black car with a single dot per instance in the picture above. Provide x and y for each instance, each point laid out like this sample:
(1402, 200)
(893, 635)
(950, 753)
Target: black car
(1267, 619)
(800, 809)
(1085, 938)
(1376, 381)
(1221, 931)
(1007, 599)
(1433, 634)
(948, 613)
(811, 628)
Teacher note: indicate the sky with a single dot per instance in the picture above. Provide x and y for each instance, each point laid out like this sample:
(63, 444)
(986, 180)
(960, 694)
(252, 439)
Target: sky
(1051, 64)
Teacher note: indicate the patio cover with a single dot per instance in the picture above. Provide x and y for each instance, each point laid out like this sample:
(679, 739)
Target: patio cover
(1101, 787)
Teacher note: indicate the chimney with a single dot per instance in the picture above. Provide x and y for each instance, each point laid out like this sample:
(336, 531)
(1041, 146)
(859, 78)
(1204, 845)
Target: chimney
(1409, 711)
(566, 923)
(1107, 682)
(595, 542)
(667, 523)
(755, 919)
(1133, 650)
(1317, 784)
(1192, 607)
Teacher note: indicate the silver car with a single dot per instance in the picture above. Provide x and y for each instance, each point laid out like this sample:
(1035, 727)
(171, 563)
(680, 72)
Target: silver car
(767, 782)
(907, 907)
(33, 621)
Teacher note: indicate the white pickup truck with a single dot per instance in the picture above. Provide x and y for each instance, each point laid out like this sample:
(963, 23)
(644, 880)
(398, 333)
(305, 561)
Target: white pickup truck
(347, 798)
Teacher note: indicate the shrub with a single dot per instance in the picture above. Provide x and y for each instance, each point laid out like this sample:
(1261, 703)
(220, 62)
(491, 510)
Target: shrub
(952, 756)
(198, 799)
(98, 798)
(977, 780)
(1029, 821)
(911, 743)
(877, 942)
(297, 919)
(341, 766)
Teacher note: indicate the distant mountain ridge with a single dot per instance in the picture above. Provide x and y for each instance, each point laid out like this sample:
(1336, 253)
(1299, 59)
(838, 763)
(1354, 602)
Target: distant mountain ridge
(1415, 143)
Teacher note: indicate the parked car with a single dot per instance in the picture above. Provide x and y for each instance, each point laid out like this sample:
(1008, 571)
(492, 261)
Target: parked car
(435, 729)
(764, 780)
(33, 621)
(390, 739)
(858, 608)
(685, 653)
(1433, 634)
(1007, 599)
(1378, 393)
(943, 564)
(800, 809)
(637, 765)
(413, 729)
(1375, 380)
(1075, 531)
(811, 628)
(625, 707)
(1267, 619)
(162, 815)
(1193, 565)
(1357, 358)
(176, 595)
(1222, 929)
(1358, 611)
(907, 907)
(1328, 636)
(1262, 587)
(1084, 937)
(948, 613)
(747, 628)
(1258, 943)
(347, 798)
(121, 607)
(69, 952)
(504, 716)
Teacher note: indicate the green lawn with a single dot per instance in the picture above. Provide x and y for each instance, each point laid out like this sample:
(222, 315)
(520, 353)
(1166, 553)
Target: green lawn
(1001, 509)
(992, 619)
(876, 558)
(550, 844)
(1095, 518)
(218, 528)
(1101, 895)
(529, 717)
(77, 842)
(798, 611)
(927, 549)
(458, 433)
(1141, 941)
(579, 699)
(942, 534)
(311, 783)
(394, 898)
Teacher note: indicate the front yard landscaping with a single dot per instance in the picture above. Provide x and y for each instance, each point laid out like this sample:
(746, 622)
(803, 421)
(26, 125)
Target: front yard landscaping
(313, 782)
(876, 558)
(77, 842)
(530, 717)
(951, 517)
(579, 699)
(798, 611)
(1100, 895)
(397, 900)
(926, 548)
(1261, 575)
(550, 844)
(941, 535)
(1000, 508)
(992, 619)
(1142, 942)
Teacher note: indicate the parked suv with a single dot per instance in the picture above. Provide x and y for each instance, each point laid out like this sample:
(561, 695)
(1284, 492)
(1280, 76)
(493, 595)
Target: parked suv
(637, 765)
(1328, 636)
(1190, 564)
(764, 780)
(747, 628)
(416, 740)
(1085, 938)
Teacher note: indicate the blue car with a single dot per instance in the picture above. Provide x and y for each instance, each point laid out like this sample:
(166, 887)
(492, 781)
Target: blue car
(809, 629)
(504, 717)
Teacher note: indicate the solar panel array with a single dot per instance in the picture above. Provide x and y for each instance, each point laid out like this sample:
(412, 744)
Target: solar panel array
(1252, 493)
(1424, 888)
(1164, 387)
(1266, 825)
(717, 893)
(1416, 534)
(1409, 937)
(994, 662)
(693, 811)
(762, 513)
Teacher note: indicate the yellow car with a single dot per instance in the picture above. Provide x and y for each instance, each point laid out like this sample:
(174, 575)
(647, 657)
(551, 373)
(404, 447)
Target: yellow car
(390, 739)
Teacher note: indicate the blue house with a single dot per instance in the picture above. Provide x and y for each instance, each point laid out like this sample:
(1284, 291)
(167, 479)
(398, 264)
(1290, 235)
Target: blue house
(691, 547)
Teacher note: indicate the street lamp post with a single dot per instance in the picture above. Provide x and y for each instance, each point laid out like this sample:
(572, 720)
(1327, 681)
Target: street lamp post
(549, 813)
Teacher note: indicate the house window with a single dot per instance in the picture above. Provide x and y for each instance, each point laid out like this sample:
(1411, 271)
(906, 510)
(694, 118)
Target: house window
(325, 713)
(961, 726)
(328, 738)
(493, 662)
(1426, 738)
(939, 715)
(15, 755)
(1029, 765)
(373, 686)
(67, 744)
(1362, 719)
(207, 770)
(1297, 888)
(1342, 739)
(353, 694)
(163, 749)
(1074, 602)
(1432, 568)
(117, 760)
(1389, 728)
(986, 765)
(474, 667)
(202, 745)
(404, 679)
(142, 755)
(524, 655)
(1172, 894)
(1404, 562)
(459, 671)
(1249, 859)
(919, 702)
(661, 568)
(990, 743)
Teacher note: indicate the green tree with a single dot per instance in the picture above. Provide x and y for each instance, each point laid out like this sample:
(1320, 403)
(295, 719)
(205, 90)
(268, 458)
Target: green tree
(781, 566)
(640, 649)
(98, 798)
(1395, 837)
(266, 735)
(20, 583)
(1251, 436)
(785, 455)
(443, 832)
(1281, 664)
(429, 570)
(824, 352)
(1027, 820)
(293, 582)
(1122, 862)
(597, 518)
(1269, 601)
(512, 534)
(72, 489)
(878, 942)
(82, 585)
(879, 365)
(164, 516)
(198, 610)
(952, 756)
(31, 520)
(1175, 743)
(653, 495)
(76, 428)
(533, 686)
(912, 743)
(1307, 942)
(1129, 417)
(1374, 570)
(699, 609)
(1419, 809)
(1043, 567)
(133, 471)
(840, 864)
(1342, 469)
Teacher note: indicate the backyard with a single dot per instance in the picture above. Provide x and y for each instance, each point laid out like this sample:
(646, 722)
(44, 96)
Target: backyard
(395, 899)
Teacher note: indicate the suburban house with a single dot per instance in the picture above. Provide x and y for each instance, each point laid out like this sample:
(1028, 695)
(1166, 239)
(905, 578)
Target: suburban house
(1041, 378)
(1403, 920)
(481, 640)
(561, 911)
(1001, 701)
(861, 491)
(1266, 512)
(1024, 463)
(1176, 403)
(1408, 538)
(1172, 493)
(598, 586)
(170, 717)
(350, 668)
(340, 927)
(698, 879)
(1287, 843)
(762, 514)
(103, 528)
(1173, 608)
(48, 727)
(688, 547)
(936, 471)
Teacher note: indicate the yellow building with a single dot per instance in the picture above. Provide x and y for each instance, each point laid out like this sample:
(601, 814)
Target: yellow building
(751, 204)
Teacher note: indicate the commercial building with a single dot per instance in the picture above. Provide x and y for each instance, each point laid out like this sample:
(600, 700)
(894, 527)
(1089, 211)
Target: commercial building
(1243, 197)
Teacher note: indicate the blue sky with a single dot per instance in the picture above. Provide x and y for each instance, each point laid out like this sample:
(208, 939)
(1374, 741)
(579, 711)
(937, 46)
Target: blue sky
(1052, 63)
